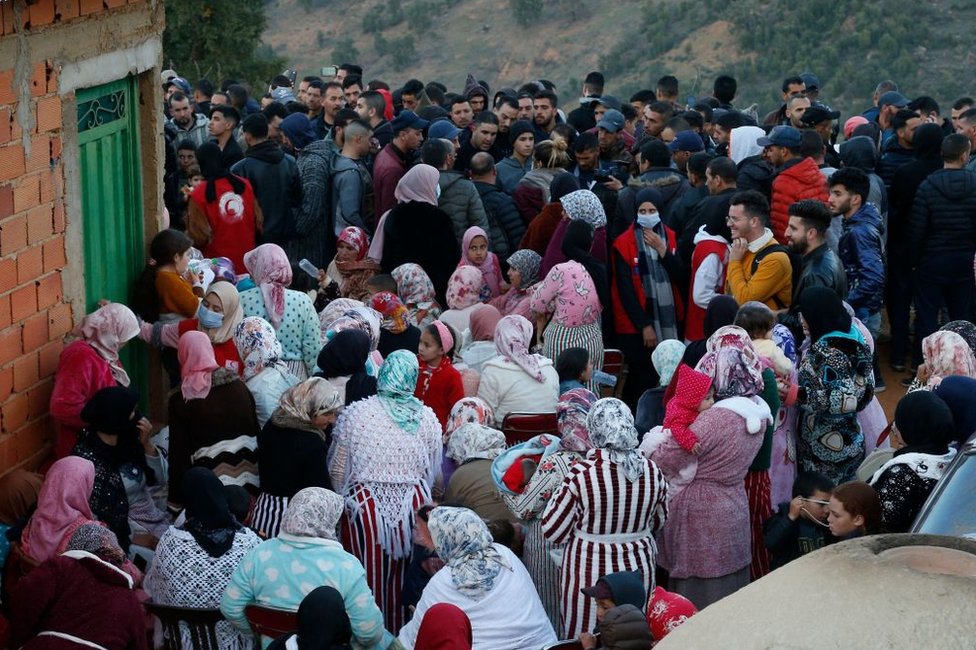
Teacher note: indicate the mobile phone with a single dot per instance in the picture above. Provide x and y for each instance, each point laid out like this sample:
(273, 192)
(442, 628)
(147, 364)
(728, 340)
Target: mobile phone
(329, 70)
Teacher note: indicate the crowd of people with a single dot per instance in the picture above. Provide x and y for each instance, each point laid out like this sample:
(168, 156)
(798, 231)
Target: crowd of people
(355, 289)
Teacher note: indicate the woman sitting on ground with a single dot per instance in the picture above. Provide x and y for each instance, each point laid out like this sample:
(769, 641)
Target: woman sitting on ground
(264, 374)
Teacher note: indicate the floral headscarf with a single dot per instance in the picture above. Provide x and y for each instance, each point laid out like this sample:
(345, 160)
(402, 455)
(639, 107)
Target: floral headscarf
(230, 302)
(463, 542)
(732, 363)
(313, 512)
(369, 320)
(783, 338)
(467, 410)
(271, 271)
(583, 205)
(571, 412)
(490, 271)
(355, 237)
(947, 354)
(258, 346)
(527, 263)
(464, 287)
(418, 184)
(99, 541)
(417, 293)
(666, 357)
(197, 363)
(395, 386)
(611, 427)
(106, 329)
(335, 309)
(474, 441)
(963, 328)
(394, 313)
(513, 334)
(306, 401)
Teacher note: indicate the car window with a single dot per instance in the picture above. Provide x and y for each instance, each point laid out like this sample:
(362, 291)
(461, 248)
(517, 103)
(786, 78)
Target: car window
(954, 513)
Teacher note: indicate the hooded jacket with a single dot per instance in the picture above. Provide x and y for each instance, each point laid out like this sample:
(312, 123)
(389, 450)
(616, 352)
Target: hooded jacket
(665, 180)
(797, 180)
(277, 186)
(942, 218)
(862, 254)
(462, 203)
(352, 196)
(904, 186)
(510, 172)
(625, 628)
(893, 156)
(744, 150)
(507, 227)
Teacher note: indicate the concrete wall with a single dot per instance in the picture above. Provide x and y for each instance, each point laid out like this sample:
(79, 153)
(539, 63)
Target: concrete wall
(48, 50)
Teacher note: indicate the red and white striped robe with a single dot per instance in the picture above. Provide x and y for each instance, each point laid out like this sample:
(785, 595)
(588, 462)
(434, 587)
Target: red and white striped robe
(596, 500)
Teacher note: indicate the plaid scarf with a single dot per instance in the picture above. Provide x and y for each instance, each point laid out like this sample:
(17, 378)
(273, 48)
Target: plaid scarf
(657, 285)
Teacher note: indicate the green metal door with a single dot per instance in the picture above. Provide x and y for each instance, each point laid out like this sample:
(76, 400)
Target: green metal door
(111, 197)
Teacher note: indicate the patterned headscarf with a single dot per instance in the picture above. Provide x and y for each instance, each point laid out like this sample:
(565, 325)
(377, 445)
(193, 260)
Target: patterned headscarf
(464, 287)
(513, 335)
(106, 329)
(732, 363)
(230, 302)
(784, 340)
(467, 410)
(369, 321)
(258, 346)
(611, 427)
(527, 263)
(963, 328)
(395, 386)
(335, 309)
(583, 205)
(313, 512)
(417, 293)
(99, 541)
(306, 401)
(947, 354)
(394, 312)
(271, 271)
(223, 269)
(571, 412)
(473, 441)
(666, 357)
(357, 238)
(463, 541)
(418, 184)
(197, 363)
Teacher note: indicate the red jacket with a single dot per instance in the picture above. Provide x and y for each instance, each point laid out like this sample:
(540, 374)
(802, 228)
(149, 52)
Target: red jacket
(82, 372)
(626, 247)
(388, 168)
(441, 390)
(232, 221)
(799, 181)
(695, 320)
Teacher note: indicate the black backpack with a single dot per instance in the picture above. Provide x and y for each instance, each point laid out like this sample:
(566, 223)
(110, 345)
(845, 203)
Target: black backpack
(795, 264)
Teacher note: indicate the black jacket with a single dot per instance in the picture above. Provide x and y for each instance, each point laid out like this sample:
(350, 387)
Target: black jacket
(665, 180)
(904, 185)
(756, 174)
(278, 187)
(821, 268)
(506, 223)
(230, 154)
(421, 233)
(291, 459)
(943, 217)
(893, 156)
(787, 540)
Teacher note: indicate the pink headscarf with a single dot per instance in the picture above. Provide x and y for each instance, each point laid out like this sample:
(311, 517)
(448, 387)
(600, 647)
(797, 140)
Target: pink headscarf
(484, 320)
(106, 329)
(489, 268)
(271, 271)
(418, 184)
(513, 334)
(62, 506)
(947, 354)
(464, 287)
(197, 363)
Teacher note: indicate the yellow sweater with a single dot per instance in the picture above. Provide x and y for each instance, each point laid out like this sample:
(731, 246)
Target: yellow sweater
(772, 283)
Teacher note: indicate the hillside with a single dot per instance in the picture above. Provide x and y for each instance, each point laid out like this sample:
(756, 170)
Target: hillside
(851, 46)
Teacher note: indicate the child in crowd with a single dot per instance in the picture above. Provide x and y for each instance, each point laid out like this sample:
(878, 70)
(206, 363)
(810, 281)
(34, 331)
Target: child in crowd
(650, 407)
(614, 592)
(463, 295)
(758, 320)
(800, 525)
(474, 252)
(854, 510)
(382, 282)
(439, 385)
(574, 368)
(167, 289)
(692, 395)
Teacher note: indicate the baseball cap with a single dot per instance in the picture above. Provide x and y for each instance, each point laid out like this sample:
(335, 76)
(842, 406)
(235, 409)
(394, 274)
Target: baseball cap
(180, 83)
(893, 98)
(408, 120)
(817, 114)
(283, 95)
(600, 590)
(443, 129)
(166, 75)
(852, 123)
(686, 141)
(609, 101)
(810, 80)
(781, 136)
(612, 121)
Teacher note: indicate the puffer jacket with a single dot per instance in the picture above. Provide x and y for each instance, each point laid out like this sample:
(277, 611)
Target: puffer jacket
(862, 254)
(755, 174)
(507, 227)
(277, 187)
(942, 216)
(460, 200)
(625, 628)
(893, 156)
(928, 159)
(797, 180)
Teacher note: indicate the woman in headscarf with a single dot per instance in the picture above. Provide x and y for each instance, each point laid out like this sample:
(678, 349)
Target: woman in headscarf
(350, 269)
(19, 490)
(343, 363)
(194, 562)
(463, 294)
(224, 218)
(517, 380)
(585, 513)
(483, 579)
(527, 498)
(398, 333)
(834, 385)
(293, 449)
(581, 205)
(322, 623)
(646, 306)
(88, 365)
(480, 346)
(290, 313)
(466, 410)
(959, 394)
(417, 293)
(212, 420)
(334, 311)
(282, 571)
(944, 354)
(920, 437)
(62, 507)
(543, 225)
(445, 627)
(575, 293)
(523, 274)
(362, 318)
(264, 372)
(473, 447)
(416, 230)
(385, 457)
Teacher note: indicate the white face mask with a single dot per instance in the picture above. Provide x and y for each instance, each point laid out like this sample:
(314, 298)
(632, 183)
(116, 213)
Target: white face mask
(648, 220)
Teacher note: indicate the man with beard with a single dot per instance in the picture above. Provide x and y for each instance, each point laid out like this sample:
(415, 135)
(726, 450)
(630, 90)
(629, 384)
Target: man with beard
(544, 105)
(189, 125)
(806, 235)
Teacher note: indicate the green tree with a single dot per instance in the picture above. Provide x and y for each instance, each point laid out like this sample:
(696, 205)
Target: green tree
(526, 11)
(345, 50)
(219, 39)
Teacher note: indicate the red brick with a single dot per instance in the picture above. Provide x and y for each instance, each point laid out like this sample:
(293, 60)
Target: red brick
(27, 193)
(66, 9)
(41, 13)
(40, 223)
(58, 223)
(52, 78)
(53, 254)
(6, 382)
(35, 332)
(113, 4)
(6, 18)
(91, 6)
(32, 440)
(12, 161)
(4, 312)
(49, 114)
(10, 344)
(38, 80)
(13, 235)
(39, 399)
(25, 372)
(55, 147)
(30, 264)
(23, 302)
(5, 132)
(7, 94)
(49, 291)
(13, 413)
(8, 274)
(49, 356)
(6, 201)
(40, 153)
(16, 132)
(59, 321)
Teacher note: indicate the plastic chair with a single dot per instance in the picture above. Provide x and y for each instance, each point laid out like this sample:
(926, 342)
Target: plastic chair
(202, 624)
(519, 427)
(271, 622)
(613, 364)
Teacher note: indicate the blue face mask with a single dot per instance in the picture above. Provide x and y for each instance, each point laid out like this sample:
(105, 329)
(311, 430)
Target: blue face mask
(209, 319)
(648, 220)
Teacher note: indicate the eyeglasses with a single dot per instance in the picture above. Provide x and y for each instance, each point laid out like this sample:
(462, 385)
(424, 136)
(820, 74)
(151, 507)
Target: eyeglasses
(731, 219)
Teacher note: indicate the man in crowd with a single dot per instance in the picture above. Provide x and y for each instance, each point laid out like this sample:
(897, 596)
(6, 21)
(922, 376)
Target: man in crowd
(506, 225)
(483, 137)
(797, 177)
(189, 125)
(223, 120)
(461, 114)
(897, 151)
(458, 197)
(582, 118)
(371, 106)
(395, 158)
(759, 269)
(544, 106)
(506, 110)
(806, 236)
(511, 170)
(352, 186)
